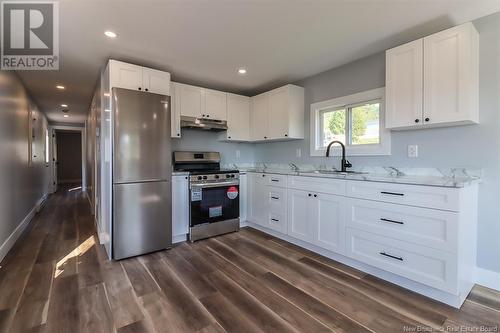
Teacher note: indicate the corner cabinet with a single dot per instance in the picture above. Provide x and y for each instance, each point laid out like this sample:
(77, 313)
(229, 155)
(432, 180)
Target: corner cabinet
(434, 81)
(278, 114)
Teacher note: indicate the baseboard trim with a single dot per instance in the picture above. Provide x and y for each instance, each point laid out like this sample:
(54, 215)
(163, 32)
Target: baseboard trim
(487, 278)
(11, 240)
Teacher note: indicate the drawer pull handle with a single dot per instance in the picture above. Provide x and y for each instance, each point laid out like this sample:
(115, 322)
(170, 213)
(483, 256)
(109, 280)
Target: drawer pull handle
(391, 221)
(275, 220)
(392, 193)
(391, 256)
(275, 198)
(275, 180)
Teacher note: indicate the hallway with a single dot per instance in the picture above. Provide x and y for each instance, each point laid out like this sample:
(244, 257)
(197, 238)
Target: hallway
(56, 279)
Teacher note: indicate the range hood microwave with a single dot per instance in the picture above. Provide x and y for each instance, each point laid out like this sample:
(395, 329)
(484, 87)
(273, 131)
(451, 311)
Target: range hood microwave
(203, 123)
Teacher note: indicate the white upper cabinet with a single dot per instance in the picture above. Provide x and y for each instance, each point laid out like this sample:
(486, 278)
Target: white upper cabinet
(129, 76)
(215, 104)
(259, 117)
(202, 103)
(278, 114)
(124, 75)
(451, 75)
(434, 81)
(404, 77)
(156, 81)
(238, 118)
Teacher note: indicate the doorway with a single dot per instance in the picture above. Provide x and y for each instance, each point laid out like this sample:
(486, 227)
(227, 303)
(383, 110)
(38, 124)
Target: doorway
(69, 157)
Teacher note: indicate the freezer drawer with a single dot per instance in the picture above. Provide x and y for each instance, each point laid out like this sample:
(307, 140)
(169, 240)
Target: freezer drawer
(142, 218)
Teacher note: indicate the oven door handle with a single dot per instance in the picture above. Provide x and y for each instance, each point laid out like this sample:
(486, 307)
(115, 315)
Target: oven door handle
(221, 184)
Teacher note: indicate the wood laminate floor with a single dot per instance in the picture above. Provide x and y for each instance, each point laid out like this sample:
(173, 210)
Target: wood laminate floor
(57, 279)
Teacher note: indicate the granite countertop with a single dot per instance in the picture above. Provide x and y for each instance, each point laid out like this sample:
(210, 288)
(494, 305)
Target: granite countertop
(455, 182)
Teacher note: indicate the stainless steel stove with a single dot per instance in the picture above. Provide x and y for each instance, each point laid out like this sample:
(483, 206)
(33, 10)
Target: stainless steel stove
(213, 194)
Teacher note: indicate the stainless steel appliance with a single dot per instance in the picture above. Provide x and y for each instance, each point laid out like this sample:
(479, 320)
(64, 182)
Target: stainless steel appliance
(203, 123)
(142, 164)
(214, 203)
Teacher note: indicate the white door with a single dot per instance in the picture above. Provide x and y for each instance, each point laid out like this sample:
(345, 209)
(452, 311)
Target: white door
(238, 117)
(449, 75)
(278, 113)
(301, 224)
(329, 213)
(124, 75)
(175, 109)
(156, 81)
(215, 104)
(259, 117)
(404, 93)
(191, 100)
(258, 202)
(180, 208)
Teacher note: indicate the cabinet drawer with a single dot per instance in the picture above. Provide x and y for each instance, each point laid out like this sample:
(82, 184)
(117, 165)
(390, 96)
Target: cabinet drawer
(412, 195)
(277, 200)
(316, 184)
(277, 221)
(434, 268)
(276, 180)
(433, 228)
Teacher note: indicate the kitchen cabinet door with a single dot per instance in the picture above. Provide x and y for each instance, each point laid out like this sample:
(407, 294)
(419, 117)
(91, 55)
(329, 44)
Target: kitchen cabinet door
(156, 81)
(215, 105)
(328, 213)
(175, 109)
(278, 113)
(238, 118)
(258, 208)
(259, 117)
(124, 75)
(404, 92)
(191, 100)
(180, 208)
(451, 75)
(301, 224)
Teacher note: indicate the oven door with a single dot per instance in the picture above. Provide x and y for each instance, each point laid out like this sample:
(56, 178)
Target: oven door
(214, 202)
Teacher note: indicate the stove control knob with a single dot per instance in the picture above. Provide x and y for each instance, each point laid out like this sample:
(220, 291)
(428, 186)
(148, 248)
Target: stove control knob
(199, 177)
(232, 176)
(204, 177)
(228, 176)
(216, 176)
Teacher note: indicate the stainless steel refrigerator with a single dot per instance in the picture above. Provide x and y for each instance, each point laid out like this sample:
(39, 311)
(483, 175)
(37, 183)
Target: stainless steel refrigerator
(142, 173)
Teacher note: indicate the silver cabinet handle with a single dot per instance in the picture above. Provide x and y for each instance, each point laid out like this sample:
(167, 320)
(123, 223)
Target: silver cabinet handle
(391, 221)
(391, 256)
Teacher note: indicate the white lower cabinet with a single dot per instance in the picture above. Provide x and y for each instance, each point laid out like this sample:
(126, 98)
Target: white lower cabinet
(180, 208)
(425, 234)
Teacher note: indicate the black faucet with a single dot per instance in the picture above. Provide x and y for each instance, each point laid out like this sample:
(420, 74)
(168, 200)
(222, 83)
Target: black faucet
(344, 164)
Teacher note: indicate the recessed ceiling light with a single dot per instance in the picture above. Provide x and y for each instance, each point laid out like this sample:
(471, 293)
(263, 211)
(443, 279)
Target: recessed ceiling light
(110, 34)
(64, 105)
(60, 87)
(66, 115)
(242, 71)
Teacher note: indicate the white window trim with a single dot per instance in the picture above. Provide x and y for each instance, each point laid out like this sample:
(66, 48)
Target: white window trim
(382, 148)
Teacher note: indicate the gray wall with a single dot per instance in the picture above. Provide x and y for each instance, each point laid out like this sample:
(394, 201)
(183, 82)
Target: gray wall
(207, 141)
(69, 157)
(475, 146)
(21, 184)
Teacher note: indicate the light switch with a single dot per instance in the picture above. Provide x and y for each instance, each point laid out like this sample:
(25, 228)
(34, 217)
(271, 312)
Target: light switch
(298, 152)
(238, 154)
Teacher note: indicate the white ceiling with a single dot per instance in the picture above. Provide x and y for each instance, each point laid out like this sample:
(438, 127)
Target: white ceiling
(205, 41)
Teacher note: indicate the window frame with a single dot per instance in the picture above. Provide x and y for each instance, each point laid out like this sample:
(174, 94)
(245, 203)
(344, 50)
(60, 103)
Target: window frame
(347, 103)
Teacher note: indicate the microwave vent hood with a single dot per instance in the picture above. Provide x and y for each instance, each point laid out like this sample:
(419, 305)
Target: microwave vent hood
(203, 123)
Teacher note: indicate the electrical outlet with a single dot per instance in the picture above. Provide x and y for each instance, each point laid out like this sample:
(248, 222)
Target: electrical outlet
(298, 152)
(238, 154)
(412, 151)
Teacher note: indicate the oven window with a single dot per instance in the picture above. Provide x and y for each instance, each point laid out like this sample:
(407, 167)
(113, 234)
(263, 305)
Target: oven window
(214, 204)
